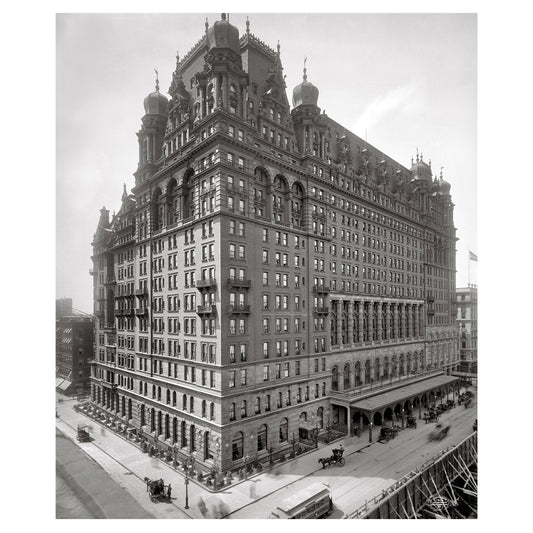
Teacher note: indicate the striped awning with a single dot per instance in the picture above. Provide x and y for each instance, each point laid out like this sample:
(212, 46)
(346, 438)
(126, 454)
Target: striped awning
(65, 384)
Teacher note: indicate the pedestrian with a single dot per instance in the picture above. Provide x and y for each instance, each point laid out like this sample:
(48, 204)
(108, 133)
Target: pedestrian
(202, 507)
(169, 491)
(252, 490)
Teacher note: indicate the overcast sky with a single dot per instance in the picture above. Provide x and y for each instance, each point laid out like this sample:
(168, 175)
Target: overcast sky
(407, 80)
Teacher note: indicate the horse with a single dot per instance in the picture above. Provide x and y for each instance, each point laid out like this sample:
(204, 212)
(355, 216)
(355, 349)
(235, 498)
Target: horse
(325, 461)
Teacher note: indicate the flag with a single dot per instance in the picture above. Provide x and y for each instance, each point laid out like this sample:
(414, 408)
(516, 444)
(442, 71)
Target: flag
(472, 257)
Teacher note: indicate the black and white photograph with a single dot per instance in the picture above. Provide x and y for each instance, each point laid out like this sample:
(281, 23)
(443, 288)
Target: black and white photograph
(266, 266)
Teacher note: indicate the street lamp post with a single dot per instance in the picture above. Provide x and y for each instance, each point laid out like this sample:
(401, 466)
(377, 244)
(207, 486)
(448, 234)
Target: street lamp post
(187, 487)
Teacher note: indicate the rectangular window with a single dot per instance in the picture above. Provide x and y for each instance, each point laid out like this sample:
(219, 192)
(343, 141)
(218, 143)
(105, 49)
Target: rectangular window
(232, 378)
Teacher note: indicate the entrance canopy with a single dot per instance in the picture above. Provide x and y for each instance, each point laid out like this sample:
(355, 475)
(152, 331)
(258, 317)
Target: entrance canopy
(391, 397)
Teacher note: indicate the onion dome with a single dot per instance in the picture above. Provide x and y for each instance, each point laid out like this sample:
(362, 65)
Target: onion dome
(421, 170)
(223, 35)
(305, 93)
(444, 186)
(156, 103)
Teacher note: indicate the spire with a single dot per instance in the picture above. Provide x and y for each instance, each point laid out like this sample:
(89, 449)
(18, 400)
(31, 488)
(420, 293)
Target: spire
(305, 70)
(177, 60)
(156, 80)
(247, 26)
(441, 172)
(278, 48)
(206, 25)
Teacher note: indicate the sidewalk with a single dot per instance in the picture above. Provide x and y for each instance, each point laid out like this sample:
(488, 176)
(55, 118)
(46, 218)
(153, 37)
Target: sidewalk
(121, 459)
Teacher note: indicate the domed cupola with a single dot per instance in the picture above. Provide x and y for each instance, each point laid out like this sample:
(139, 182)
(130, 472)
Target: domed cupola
(444, 186)
(305, 93)
(223, 35)
(421, 171)
(156, 103)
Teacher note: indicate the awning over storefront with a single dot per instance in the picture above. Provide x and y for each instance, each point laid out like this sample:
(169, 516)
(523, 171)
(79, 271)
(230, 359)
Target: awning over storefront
(391, 397)
(64, 385)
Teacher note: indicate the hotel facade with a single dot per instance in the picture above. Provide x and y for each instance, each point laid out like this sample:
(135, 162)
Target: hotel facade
(268, 268)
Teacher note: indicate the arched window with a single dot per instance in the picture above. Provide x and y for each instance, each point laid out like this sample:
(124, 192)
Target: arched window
(174, 399)
(347, 377)
(237, 446)
(204, 408)
(184, 402)
(183, 434)
(262, 438)
(191, 404)
(320, 417)
(244, 412)
(167, 426)
(174, 430)
(335, 378)
(357, 374)
(284, 430)
(367, 371)
(193, 437)
(212, 411)
(168, 397)
(207, 451)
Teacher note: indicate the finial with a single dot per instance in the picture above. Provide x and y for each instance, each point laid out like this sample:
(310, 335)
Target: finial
(247, 26)
(177, 59)
(278, 47)
(429, 163)
(412, 162)
(156, 80)
(305, 70)
(441, 172)
(223, 16)
(417, 158)
(206, 25)
(125, 188)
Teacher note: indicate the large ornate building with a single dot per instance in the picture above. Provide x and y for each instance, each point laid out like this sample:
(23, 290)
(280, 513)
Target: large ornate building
(268, 267)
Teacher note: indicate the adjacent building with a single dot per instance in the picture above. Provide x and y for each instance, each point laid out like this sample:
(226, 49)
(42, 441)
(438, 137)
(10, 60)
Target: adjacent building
(467, 320)
(74, 349)
(267, 266)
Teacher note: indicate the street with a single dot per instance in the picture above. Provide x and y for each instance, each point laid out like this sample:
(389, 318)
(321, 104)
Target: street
(84, 490)
(373, 469)
(369, 469)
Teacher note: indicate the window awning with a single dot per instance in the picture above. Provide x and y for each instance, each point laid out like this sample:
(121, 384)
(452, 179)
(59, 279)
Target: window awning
(64, 385)
(392, 397)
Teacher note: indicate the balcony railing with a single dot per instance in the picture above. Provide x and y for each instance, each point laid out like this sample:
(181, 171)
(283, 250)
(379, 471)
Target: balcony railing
(238, 282)
(321, 310)
(142, 311)
(320, 289)
(206, 283)
(239, 308)
(207, 309)
(141, 292)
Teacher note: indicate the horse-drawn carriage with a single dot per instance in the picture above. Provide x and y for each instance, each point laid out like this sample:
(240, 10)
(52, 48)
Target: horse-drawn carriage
(431, 416)
(439, 432)
(411, 422)
(82, 434)
(335, 458)
(157, 489)
(387, 433)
